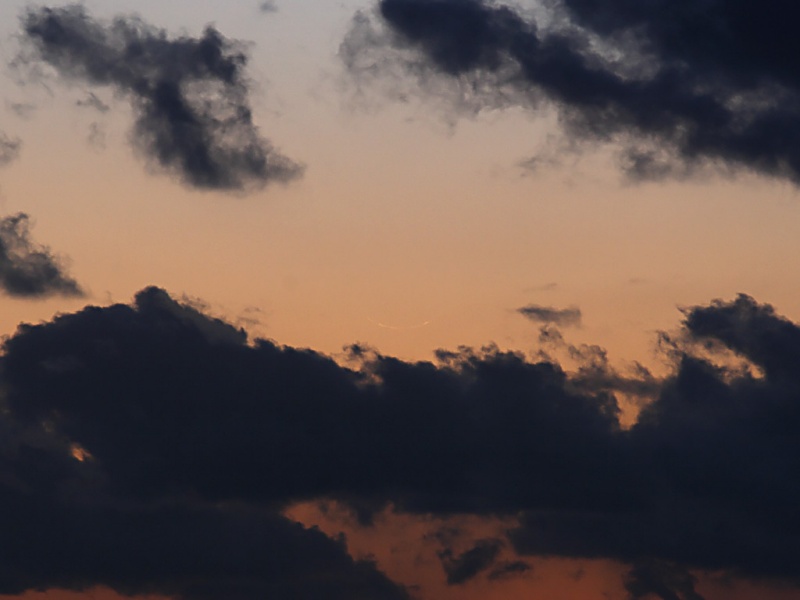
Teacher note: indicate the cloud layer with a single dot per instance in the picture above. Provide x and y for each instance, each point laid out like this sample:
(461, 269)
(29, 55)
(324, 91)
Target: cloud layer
(28, 270)
(190, 95)
(167, 405)
(675, 86)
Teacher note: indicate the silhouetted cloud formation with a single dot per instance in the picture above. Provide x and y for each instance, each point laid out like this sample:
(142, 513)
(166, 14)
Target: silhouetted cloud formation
(470, 563)
(190, 95)
(651, 578)
(29, 270)
(174, 549)
(678, 85)
(9, 149)
(594, 373)
(172, 410)
(564, 317)
(712, 456)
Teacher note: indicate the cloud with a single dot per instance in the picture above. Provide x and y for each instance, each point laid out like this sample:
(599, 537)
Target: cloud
(28, 270)
(249, 404)
(470, 563)
(64, 527)
(593, 371)
(508, 569)
(268, 6)
(665, 581)
(676, 89)
(712, 457)
(189, 95)
(185, 551)
(171, 404)
(564, 317)
(94, 102)
(24, 110)
(10, 149)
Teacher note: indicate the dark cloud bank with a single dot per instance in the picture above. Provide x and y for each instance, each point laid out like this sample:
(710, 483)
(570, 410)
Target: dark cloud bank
(193, 439)
(189, 95)
(678, 85)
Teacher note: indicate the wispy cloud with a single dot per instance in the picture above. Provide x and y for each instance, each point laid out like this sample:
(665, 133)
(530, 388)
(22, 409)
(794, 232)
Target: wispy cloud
(10, 149)
(29, 270)
(190, 95)
(565, 317)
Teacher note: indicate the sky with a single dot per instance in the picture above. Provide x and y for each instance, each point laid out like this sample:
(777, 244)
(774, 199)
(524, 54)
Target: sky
(388, 299)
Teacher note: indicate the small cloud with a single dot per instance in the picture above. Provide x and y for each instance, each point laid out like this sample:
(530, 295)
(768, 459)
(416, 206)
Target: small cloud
(662, 580)
(92, 101)
(469, 564)
(10, 149)
(565, 317)
(268, 6)
(507, 570)
(24, 110)
(544, 287)
(28, 270)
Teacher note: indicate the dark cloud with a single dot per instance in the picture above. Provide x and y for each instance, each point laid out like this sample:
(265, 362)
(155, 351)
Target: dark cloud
(173, 408)
(661, 580)
(505, 570)
(268, 6)
(53, 539)
(715, 453)
(64, 527)
(752, 330)
(10, 149)
(303, 423)
(564, 317)
(678, 87)
(190, 95)
(470, 563)
(28, 270)
(593, 372)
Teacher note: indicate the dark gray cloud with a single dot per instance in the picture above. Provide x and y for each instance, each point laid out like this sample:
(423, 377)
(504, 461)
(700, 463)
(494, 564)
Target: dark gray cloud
(508, 569)
(268, 6)
(190, 95)
(52, 539)
(593, 372)
(175, 408)
(677, 86)
(649, 579)
(564, 317)
(10, 149)
(715, 451)
(301, 406)
(470, 563)
(29, 270)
